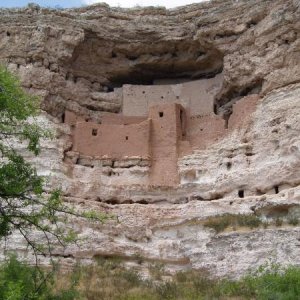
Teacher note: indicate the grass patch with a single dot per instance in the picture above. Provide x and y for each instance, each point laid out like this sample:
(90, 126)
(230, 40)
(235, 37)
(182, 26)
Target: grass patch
(278, 222)
(269, 282)
(220, 223)
(293, 221)
(111, 281)
(18, 281)
(156, 270)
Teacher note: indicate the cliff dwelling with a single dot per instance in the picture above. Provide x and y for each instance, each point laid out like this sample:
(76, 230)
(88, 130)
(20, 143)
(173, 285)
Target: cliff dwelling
(158, 124)
(168, 120)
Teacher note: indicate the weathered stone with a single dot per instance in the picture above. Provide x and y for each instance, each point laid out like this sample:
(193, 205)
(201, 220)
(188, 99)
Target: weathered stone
(74, 58)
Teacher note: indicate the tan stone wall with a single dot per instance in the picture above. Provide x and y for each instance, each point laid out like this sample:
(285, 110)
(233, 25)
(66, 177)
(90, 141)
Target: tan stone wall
(113, 141)
(195, 96)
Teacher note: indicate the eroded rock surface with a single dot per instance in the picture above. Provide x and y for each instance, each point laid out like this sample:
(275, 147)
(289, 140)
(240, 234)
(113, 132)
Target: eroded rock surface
(77, 59)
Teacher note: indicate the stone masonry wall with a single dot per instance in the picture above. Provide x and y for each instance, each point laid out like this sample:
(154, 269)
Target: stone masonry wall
(206, 130)
(111, 118)
(195, 96)
(242, 110)
(166, 131)
(112, 140)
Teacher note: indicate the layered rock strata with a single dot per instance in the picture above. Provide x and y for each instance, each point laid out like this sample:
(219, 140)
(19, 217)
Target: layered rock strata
(78, 59)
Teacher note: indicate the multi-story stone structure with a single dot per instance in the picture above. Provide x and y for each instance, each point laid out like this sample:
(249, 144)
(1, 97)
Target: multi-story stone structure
(159, 124)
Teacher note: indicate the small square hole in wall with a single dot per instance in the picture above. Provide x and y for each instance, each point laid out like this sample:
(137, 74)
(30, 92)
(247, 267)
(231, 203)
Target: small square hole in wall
(126, 138)
(161, 114)
(94, 132)
(241, 193)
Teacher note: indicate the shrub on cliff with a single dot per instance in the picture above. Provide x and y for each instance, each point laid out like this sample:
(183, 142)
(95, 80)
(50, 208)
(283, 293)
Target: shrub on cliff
(18, 281)
(24, 203)
(108, 280)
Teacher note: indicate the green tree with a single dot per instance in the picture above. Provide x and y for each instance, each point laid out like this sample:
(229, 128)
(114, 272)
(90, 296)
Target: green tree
(24, 204)
(18, 281)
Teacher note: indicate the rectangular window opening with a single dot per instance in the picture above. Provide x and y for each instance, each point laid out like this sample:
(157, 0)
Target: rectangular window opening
(241, 193)
(161, 114)
(94, 132)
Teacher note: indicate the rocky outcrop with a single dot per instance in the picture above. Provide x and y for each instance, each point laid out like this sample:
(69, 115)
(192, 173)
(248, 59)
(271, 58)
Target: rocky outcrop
(69, 55)
(76, 59)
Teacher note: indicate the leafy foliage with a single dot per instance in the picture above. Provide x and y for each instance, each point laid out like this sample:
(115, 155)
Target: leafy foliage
(270, 281)
(24, 205)
(19, 281)
(16, 107)
(109, 279)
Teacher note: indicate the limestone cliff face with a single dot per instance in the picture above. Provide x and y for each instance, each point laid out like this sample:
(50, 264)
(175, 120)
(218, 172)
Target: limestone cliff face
(77, 59)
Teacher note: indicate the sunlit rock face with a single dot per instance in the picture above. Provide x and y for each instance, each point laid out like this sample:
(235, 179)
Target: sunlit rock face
(239, 152)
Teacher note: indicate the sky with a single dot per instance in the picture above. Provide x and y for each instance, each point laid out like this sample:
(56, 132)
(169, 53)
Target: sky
(78, 3)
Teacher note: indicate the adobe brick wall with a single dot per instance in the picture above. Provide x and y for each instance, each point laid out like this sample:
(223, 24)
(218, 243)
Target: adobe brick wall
(242, 110)
(195, 96)
(113, 141)
(184, 148)
(165, 133)
(118, 119)
(71, 118)
(204, 131)
(201, 94)
(168, 132)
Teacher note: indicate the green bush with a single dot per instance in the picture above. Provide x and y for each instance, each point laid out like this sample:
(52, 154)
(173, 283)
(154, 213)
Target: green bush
(268, 283)
(251, 221)
(293, 221)
(278, 222)
(19, 281)
(220, 223)
(167, 290)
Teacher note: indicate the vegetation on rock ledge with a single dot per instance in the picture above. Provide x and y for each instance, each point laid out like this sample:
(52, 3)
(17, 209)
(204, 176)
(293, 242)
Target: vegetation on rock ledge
(221, 223)
(108, 280)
